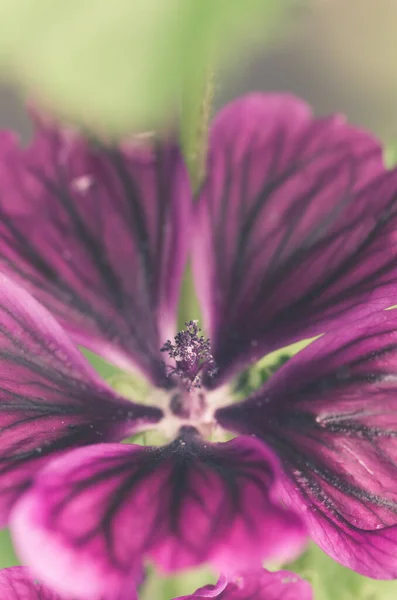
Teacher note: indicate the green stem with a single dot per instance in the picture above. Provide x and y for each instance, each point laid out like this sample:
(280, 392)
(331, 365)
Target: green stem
(189, 307)
(196, 109)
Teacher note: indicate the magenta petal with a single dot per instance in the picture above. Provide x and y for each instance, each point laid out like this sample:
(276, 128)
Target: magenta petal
(50, 397)
(99, 235)
(295, 227)
(17, 583)
(93, 515)
(331, 414)
(258, 585)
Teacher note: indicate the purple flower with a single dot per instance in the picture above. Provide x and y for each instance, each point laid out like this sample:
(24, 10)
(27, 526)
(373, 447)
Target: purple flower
(110, 506)
(293, 235)
(17, 583)
(259, 585)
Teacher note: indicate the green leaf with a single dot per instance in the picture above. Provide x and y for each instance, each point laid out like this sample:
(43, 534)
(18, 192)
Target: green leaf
(330, 580)
(122, 64)
(255, 375)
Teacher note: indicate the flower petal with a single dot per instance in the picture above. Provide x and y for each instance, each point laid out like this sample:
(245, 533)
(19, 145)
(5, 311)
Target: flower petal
(258, 585)
(295, 227)
(18, 583)
(331, 414)
(99, 235)
(96, 513)
(50, 397)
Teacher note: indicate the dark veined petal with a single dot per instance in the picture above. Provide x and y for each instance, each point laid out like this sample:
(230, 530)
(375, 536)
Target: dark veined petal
(331, 414)
(50, 397)
(93, 515)
(258, 585)
(295, 227)
(99, 235)
(18, 583)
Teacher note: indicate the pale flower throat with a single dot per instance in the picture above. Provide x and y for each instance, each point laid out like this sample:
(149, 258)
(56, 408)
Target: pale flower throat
(190, 360)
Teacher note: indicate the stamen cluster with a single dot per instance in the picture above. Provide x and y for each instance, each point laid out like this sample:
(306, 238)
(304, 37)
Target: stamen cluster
(192, 354)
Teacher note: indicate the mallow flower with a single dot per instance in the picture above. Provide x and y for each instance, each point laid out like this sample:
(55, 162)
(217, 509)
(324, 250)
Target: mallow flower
(181, 504)
(18, 583)
(292, 235)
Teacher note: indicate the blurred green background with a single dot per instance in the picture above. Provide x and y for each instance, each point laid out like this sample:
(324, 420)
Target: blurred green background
(341, 55)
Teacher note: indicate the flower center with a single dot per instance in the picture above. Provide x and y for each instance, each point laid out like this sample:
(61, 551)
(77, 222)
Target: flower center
(191, 354)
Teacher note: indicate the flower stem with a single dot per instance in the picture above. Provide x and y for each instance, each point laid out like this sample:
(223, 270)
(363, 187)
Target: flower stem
(196, 110)
(197, 97)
